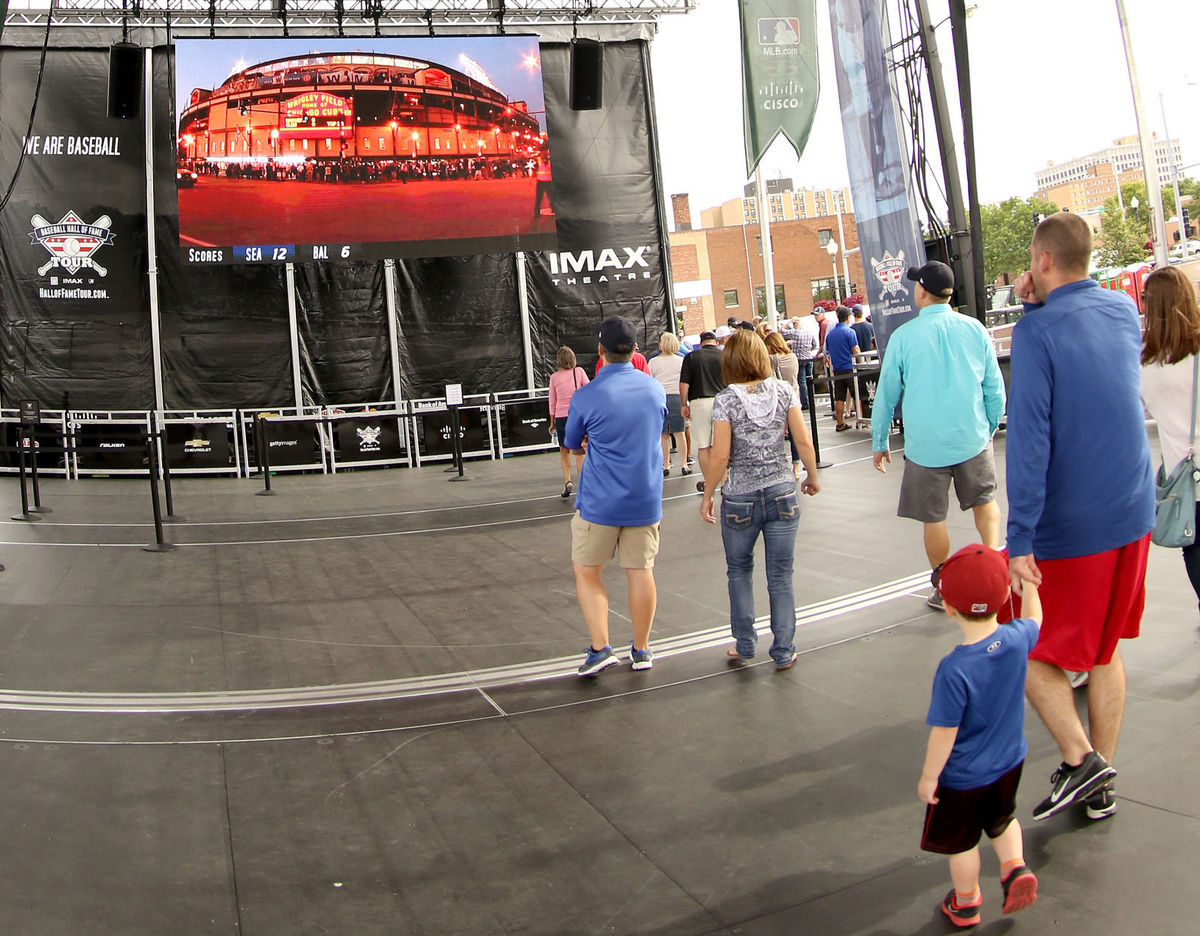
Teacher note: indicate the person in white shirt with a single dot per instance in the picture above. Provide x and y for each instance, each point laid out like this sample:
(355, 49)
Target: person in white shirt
(1169, 348)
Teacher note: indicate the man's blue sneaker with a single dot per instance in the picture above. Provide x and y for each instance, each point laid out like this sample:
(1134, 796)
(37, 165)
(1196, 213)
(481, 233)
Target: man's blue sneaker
(640, 659)
(598, 660)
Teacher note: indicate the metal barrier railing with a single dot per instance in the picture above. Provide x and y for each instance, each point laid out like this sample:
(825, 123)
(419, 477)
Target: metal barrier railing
(433, 433)
(294, 441)
(523, 418)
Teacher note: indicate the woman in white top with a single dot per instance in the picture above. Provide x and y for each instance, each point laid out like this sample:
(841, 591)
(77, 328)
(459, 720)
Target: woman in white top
(665, 367)
(1169, 349)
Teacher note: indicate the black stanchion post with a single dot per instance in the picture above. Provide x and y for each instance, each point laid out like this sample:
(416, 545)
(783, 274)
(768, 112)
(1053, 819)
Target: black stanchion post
(164, 458)
(456, 432)
(264, 454)
(160, 544)
(33, 475)
(812, 420)
(24, 514)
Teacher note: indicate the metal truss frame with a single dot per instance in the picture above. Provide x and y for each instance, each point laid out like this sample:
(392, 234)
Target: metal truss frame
(339, 14)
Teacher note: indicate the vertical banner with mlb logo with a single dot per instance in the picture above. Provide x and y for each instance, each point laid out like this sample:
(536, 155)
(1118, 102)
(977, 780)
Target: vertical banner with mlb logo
(888, 231)
(779, 74)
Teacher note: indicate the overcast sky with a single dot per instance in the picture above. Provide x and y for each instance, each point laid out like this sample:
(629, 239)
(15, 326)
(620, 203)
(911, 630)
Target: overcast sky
(1049, 83)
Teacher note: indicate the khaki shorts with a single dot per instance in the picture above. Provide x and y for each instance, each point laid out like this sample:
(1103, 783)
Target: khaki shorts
(924, 492)
(701, 417)
(594, 544)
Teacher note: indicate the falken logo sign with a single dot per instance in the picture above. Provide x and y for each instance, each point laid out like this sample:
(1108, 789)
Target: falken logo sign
(71, 243)
(593, 267)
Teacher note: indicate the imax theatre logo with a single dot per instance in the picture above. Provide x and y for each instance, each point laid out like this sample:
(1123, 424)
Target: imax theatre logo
(71, 242)
(589, 267)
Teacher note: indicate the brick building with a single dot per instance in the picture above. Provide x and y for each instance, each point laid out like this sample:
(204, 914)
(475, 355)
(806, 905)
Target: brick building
(718, 271)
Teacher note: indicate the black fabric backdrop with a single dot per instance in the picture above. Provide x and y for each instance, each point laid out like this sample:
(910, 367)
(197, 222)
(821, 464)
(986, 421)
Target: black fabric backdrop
(341, 311)
(606, 196)
(224, 330)
(98, 349)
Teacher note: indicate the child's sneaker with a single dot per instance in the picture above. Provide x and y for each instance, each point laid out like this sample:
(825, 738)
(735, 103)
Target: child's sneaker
(961, 916)
(598, 660)
(640, 659)
(1020, 889)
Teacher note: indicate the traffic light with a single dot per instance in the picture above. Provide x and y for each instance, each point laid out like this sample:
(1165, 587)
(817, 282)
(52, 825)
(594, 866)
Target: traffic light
(1187, 224)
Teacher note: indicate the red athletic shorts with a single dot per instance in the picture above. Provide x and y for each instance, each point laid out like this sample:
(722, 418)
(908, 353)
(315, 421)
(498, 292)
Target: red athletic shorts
(1088, 604)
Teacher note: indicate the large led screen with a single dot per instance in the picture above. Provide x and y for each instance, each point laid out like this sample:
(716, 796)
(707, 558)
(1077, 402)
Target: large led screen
(349, 149)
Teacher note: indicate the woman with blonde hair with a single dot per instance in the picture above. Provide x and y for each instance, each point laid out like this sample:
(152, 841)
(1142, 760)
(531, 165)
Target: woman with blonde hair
(563, 384)
(1170, 347)
(665, 368)
(759, 495)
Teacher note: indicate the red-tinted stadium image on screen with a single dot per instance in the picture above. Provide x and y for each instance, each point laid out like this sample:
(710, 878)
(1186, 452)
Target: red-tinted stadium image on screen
(361, 149)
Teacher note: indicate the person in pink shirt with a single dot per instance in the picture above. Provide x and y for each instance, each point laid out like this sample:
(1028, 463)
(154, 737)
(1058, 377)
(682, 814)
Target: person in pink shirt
(563, 384)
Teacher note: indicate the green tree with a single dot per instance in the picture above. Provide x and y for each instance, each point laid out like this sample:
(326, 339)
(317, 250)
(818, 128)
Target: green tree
(1123, 234)
(1131, 190)
(1007, 229)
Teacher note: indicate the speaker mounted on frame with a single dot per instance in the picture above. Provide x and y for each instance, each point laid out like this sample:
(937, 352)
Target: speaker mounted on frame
(126, 64)
(587, 74)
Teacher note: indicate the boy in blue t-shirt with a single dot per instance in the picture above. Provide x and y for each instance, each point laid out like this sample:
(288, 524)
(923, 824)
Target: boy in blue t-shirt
(977, 738)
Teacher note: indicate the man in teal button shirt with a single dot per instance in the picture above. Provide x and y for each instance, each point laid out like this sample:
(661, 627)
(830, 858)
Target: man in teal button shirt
(946, 367)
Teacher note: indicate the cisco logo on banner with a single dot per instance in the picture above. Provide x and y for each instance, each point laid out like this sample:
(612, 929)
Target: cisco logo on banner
(597, 267)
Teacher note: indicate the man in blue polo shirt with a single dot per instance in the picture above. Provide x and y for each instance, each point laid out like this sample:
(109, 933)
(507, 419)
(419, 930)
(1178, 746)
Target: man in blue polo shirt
(953, 401)
(619, 416)
(841, 344)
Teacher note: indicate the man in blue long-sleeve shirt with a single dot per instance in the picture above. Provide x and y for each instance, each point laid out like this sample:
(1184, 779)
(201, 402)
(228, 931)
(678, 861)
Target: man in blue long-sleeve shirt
(1080, 499)
(953, 400)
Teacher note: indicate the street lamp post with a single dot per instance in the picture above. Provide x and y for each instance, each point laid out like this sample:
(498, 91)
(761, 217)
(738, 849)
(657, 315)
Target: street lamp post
(842, 238)
(1174, 176)
(832, 249)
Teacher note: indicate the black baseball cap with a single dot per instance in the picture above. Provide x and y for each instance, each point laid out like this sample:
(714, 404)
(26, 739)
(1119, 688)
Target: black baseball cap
(617, 335)
(935, 276)
(708, 336)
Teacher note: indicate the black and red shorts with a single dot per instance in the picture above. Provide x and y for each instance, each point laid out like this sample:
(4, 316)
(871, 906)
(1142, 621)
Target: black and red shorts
(955, 824)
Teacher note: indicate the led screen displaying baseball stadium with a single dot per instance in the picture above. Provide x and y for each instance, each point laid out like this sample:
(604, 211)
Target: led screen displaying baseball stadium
(347, 149)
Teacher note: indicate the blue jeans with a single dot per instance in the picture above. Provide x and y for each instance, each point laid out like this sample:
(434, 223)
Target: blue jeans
(805, 371)
(774, 512)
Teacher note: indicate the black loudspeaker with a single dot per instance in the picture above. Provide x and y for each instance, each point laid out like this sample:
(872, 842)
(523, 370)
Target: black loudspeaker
(126, 63)
(587, 73)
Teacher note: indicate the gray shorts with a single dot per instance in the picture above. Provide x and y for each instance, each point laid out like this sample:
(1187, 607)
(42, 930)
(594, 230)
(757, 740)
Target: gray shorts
(924, 492)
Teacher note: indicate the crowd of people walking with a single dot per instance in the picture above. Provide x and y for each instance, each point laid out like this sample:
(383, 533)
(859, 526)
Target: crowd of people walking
(1039, 614)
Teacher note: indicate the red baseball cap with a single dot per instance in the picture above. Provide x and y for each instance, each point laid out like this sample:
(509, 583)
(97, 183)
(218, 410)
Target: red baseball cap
(975, 580)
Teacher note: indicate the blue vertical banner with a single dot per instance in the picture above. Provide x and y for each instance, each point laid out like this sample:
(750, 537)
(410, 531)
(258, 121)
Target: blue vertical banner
(780, 85)
(889, 234)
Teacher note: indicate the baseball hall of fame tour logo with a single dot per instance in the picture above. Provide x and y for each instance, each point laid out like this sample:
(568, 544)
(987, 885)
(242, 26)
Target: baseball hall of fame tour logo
(890, 272)
(71, 242)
